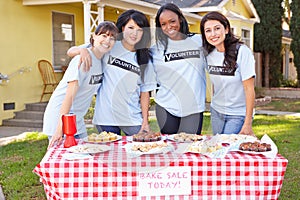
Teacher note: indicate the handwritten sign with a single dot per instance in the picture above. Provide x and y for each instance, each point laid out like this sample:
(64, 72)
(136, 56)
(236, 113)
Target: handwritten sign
(165, 181)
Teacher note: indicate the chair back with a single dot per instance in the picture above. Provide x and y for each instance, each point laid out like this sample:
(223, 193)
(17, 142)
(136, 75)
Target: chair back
(47, 72)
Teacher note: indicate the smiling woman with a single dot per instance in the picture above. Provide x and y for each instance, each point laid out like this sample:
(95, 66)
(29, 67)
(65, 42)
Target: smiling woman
(180, 100)
(122, 102)
(231, 67)
(75, 91)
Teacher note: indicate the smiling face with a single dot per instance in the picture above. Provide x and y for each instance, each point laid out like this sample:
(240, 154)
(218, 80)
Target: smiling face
(215, 34)
(170, 24)
(132, 34)
(104, 42)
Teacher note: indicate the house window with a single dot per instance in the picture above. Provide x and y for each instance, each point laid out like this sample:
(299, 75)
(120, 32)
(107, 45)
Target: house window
(246, 37)
(63, 38)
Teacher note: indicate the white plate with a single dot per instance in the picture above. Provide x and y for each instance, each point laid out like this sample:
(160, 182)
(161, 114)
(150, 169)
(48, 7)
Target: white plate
(171, 137)
(157, 150)
(99, 142)
(88, 148)
(269, 154)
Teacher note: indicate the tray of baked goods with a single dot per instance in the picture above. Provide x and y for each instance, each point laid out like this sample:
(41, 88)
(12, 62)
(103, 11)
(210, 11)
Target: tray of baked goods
(217, 146)
(147, 136)
(264, 146)
(102, 137)
(140, 148)
(208, 147)
(185, 137)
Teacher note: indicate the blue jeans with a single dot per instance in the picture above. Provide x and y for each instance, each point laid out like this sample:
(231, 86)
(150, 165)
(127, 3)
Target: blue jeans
(225, 124)
(79, 136)
(128, 130)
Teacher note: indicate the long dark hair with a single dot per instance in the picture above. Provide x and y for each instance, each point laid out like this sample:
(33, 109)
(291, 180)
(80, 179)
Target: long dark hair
(230, 42)
(142, 48)
(184, 27)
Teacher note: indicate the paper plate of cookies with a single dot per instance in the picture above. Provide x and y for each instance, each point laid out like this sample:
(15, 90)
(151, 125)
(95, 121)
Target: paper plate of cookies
(102, 137)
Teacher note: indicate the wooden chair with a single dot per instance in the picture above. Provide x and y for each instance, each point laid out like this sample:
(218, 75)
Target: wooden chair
(48, 76)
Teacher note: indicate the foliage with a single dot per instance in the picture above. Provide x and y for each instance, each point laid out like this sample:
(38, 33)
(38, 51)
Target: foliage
(267, 37)
(295, 33)
(289, 83)
(152, 101)
(91, 110)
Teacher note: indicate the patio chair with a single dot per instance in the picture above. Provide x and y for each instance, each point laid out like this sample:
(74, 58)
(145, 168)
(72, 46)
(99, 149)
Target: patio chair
(48, 76)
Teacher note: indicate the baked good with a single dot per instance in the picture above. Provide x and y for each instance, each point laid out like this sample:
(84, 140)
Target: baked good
(145, 147)
(186, 137)
(145, 136)
(102, 137)
(255, 146)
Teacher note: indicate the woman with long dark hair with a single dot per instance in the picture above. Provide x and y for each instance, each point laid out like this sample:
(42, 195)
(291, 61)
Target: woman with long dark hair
(231, 67)
(122, 102)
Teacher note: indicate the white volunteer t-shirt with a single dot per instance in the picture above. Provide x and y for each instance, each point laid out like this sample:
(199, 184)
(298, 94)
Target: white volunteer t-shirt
(180, 73)
(118, 100)
(229, 96)
(88, 82)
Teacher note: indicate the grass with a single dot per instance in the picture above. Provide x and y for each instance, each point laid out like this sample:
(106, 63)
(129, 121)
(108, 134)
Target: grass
(18, 159)
(291, 105)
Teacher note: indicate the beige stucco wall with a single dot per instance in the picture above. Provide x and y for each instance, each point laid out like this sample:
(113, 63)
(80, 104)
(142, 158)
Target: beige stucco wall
(26, 37)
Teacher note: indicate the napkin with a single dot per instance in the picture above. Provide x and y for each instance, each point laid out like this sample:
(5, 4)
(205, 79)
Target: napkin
(274, 149)
(76, 156)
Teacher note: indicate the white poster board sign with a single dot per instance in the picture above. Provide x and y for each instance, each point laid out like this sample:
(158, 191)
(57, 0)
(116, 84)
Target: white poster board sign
(165, 181)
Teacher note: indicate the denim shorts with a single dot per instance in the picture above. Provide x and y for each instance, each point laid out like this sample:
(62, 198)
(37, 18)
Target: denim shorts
(225, 124)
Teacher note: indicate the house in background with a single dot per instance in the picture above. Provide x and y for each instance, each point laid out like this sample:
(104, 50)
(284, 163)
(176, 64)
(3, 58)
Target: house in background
(288, 68)
(46, 29)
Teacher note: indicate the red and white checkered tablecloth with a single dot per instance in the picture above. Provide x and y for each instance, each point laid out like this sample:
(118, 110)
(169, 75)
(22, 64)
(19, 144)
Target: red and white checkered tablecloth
(113, 175)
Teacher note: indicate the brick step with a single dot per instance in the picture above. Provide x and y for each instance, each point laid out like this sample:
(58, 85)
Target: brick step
(23, 123)
(35, 115)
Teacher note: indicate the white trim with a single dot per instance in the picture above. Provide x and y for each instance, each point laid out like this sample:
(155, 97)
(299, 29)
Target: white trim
(248, 4)
(234, 16)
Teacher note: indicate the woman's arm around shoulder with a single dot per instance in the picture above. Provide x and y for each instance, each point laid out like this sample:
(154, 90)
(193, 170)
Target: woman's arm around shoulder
(85, 57)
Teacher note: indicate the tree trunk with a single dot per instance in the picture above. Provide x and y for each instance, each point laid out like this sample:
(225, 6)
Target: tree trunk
(267, 70)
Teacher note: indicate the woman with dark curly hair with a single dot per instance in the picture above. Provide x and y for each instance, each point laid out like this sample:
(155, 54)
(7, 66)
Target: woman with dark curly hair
(231, 67)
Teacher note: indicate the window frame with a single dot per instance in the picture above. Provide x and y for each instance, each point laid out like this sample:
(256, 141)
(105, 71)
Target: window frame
(60, 45)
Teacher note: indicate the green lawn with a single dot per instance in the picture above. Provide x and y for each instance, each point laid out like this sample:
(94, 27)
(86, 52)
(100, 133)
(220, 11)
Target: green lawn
(18, 159)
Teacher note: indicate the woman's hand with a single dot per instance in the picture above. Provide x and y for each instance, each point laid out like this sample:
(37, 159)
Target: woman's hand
(145, 127)
(57, 137)
(86, 59)
(247, 130)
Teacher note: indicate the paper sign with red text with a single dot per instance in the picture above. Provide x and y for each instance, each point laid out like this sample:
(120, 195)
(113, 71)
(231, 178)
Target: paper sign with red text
(165, 181)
